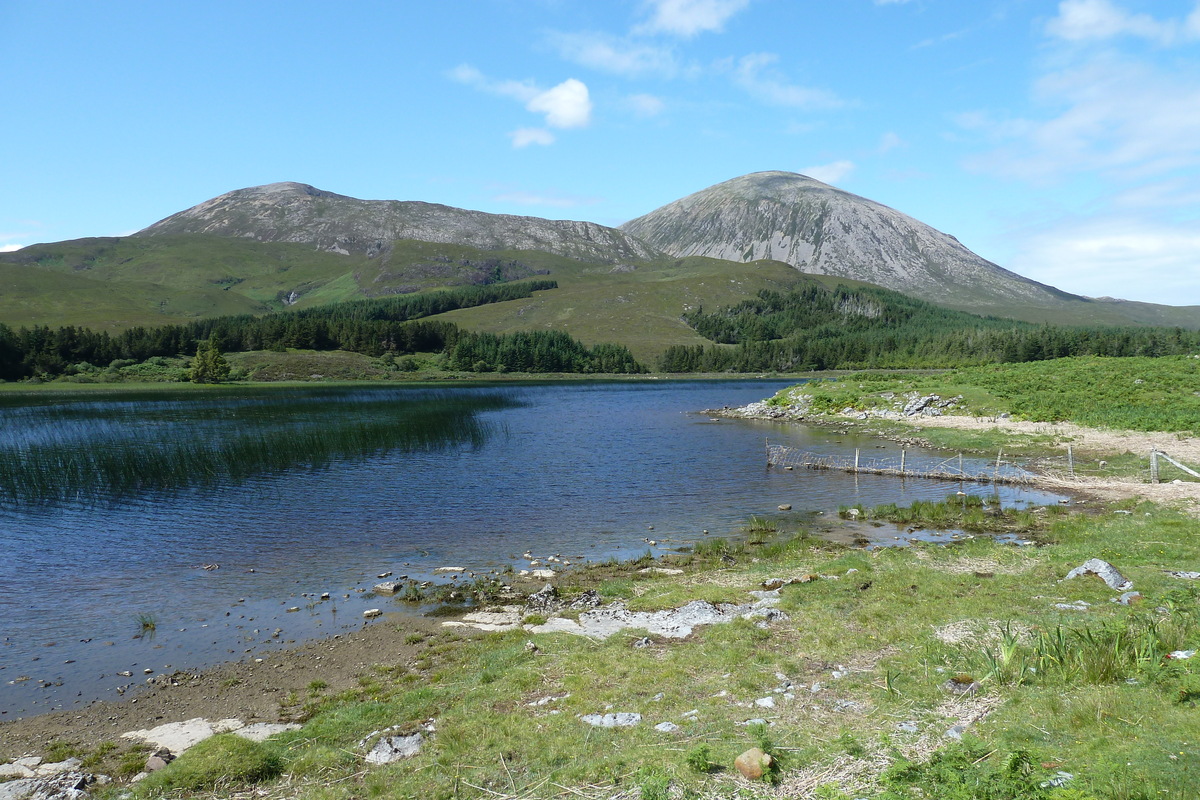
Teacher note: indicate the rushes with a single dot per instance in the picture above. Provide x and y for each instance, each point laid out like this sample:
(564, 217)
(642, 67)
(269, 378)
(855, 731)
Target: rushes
(94, 451)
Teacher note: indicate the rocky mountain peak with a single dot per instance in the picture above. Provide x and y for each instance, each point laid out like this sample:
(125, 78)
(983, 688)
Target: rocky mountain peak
(818, 228)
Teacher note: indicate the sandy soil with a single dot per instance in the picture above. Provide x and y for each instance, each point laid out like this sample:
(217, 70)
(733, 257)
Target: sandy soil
(251, 691)
(1099, 442)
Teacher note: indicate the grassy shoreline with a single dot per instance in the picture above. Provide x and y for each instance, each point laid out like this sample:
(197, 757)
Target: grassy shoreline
(857, 673)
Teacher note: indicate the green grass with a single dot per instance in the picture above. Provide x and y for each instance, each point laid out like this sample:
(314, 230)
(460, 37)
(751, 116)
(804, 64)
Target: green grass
(1143, 394)
(1086, 692)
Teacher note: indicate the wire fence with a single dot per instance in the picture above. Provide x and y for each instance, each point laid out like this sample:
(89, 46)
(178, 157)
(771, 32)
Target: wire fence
(955, 468)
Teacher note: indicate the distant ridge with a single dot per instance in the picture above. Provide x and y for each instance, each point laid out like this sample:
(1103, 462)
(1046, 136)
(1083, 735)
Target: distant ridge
(297, 212)
(820, 229)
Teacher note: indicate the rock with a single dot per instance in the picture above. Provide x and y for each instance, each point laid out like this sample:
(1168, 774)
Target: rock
(1187, 576)
(1078, 605)
(785, 506)
(962, 685)
(394, 748)
(1130, 598)
(450, 569)
(643, 643)
(383, 575)
(15, 771)
(956, 732)
(1181, 654)
(179, 736)
(64, 786)
(158, 759)
(387, 587)
(660, 571)
(623, 719)
(907, 727)
(589, 599)
(542, 574)
(543, 601)
(371, 613)
(1105, 571)
(754, 763)
(666, 727)
(765, 702)
(920, 405)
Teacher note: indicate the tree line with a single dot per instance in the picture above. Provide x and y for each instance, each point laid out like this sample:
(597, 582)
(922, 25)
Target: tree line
(815, 328)
(371, 327)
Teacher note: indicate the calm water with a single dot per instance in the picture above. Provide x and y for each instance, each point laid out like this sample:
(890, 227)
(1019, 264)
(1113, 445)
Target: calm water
(301, 491)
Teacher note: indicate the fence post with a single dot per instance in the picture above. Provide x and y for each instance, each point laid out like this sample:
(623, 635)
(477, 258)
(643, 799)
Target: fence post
(1154, 466)
(996, 471)
(1071, 459)
(960, 469)
(903, 452)
(856, 459)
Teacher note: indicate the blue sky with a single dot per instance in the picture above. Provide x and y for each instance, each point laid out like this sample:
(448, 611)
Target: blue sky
(1060, 139)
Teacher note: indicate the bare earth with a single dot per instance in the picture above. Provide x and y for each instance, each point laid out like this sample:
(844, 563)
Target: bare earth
(1102, 442)
(251, 691)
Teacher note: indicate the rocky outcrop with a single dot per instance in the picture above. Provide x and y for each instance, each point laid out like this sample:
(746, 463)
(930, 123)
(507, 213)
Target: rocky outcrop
(820, 229)
(297, 212)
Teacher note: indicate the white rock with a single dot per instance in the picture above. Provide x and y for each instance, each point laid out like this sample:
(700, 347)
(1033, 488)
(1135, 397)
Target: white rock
(371, 613)
(394, 748)
(179, 736)
(622, 719)
(666, 727)
(765, 702)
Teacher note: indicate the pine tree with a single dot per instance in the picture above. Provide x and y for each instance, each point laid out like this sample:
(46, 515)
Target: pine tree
(209, 365)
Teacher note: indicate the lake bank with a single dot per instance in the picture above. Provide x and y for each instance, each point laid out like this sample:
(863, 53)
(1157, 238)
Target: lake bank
(849, 680)
(581, 471)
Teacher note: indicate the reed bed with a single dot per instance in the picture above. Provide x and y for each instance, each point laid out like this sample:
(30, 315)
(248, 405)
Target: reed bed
(109, 449)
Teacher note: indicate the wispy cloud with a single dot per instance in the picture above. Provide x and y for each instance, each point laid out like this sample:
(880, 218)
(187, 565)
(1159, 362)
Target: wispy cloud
(10, 248)
(687, 18)
(829, 173)
(758, 75)
(523, 137)
(1091, 20)
(616, 55)
(1125, 117)
(645, 105)
(1114, 256)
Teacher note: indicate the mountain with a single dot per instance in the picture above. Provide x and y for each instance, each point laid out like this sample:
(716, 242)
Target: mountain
(297, 212)
(820, 229)
(290, 245)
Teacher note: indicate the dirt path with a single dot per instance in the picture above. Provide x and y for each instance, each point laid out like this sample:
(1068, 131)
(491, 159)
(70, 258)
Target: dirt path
(1098, 442)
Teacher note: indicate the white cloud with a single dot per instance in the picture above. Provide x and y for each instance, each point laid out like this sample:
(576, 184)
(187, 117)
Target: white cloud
(829, 173)
(1084, 20)
(891, 2)
(10, 248)
(1129, 258)
(1122, 117)
(756, 74)
(618, 56)
(645, 105)
(523, 137)
(567, 105)
(686, 18)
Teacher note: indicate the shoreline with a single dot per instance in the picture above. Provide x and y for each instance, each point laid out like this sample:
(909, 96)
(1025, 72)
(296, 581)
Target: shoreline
(1085, 441)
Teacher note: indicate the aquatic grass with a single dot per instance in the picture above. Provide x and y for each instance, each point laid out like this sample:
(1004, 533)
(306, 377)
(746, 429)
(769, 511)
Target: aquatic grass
(91, 451)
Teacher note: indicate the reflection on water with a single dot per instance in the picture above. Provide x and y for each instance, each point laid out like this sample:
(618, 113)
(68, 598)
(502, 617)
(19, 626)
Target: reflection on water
(101, 450)
(406, 480)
